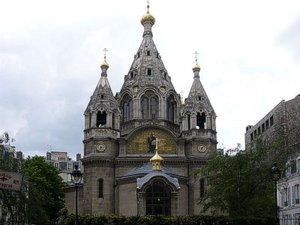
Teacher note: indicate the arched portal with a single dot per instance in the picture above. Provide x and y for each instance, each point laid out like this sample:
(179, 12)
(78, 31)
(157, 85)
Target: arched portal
(158, 199)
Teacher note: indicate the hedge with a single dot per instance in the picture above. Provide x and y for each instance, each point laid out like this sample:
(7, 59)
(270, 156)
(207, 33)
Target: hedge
(162, 220)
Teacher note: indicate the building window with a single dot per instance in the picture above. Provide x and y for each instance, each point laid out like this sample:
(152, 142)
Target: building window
(148, 53)
(149, 105)
(263, 127)
(149, 72)
(267, 124)
(113, 121)
(258, 131)
(293, 166)
(101, 118)
(171, 109)
(189, 121)
(202, 183)
(251, 136)
(295, 194)
(271, 120)
(100, 187)
(201, 120)
(127, 108)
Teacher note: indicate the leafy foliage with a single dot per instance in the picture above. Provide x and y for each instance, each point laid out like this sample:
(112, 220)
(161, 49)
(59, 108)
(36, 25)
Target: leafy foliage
(46, 190)
(241, 185)
(162, 220)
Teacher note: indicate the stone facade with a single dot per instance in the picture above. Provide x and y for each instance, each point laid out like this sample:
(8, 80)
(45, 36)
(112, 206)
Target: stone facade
(123, 132)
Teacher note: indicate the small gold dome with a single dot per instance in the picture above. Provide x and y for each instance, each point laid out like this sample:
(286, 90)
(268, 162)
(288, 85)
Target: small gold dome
(156, 161)
(196, 66)
(104, 64)
(148, 17)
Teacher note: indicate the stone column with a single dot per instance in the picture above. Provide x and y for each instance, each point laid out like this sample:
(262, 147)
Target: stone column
(208, 122)
(94, 119)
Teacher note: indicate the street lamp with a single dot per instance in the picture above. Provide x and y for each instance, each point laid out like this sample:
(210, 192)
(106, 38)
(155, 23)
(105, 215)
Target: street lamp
(275, 172)
(76, 176)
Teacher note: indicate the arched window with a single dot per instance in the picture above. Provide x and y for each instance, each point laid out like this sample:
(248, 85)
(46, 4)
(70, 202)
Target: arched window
(201, 120)
(171, 108)
(101, 118)
(149, 105)
(100, 188)
(127, 108)
(158, 199)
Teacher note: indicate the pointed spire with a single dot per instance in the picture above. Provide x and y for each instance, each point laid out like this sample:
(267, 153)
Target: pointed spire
(156, 160)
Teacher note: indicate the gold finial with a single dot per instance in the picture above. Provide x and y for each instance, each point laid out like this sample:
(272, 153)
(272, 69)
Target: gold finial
(104, 63)
(148, 5)
(156, 160)
(196, 60)
(148, 17)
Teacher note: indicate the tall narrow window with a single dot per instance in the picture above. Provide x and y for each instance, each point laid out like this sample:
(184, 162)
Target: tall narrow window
(171, 108)
(100, 187)
(189, 121)
(149, 105)
(101, 118)
(271, 121)
(202, 183)
(149, 72)
(113, 120)
(127, 108)
(201, 120)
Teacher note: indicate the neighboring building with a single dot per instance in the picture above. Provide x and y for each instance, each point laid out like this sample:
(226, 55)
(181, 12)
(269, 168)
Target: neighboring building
(283, 121)
(63, 163)
(289, 194)
(123, 131)
(10, 161)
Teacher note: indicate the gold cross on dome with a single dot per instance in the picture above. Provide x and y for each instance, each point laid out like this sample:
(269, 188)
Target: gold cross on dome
(196, 56)
(105, 51)
(148, 5)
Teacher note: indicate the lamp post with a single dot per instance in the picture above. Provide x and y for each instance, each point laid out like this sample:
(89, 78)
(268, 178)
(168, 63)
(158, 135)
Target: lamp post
(76, 176)
(275, 172)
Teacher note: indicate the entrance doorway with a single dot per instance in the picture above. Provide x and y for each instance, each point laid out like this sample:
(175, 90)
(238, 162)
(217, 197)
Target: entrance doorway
(158, 199)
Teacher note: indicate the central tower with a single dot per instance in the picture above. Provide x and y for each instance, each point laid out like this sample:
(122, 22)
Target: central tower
(120, 138)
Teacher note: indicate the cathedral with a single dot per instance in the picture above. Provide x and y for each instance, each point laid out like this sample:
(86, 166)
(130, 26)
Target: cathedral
(143, 145)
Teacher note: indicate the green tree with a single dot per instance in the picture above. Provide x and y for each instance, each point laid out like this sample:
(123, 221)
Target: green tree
(13, 203)
(46, 190)
(241, 184)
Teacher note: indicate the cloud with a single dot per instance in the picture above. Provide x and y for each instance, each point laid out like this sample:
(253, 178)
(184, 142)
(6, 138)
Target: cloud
(50, 53)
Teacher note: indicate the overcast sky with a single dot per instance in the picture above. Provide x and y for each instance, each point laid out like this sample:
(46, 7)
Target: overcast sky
(50, 51)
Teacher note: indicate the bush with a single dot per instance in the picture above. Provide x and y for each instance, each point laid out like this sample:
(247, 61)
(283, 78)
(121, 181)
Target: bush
(163, 220)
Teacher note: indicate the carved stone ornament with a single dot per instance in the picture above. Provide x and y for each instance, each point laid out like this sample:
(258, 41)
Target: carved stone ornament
(101, 147)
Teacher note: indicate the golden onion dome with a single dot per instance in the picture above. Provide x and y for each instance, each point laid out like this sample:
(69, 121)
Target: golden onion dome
(148, 17)
(196, 67)
(104, 64)
(156, 158)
